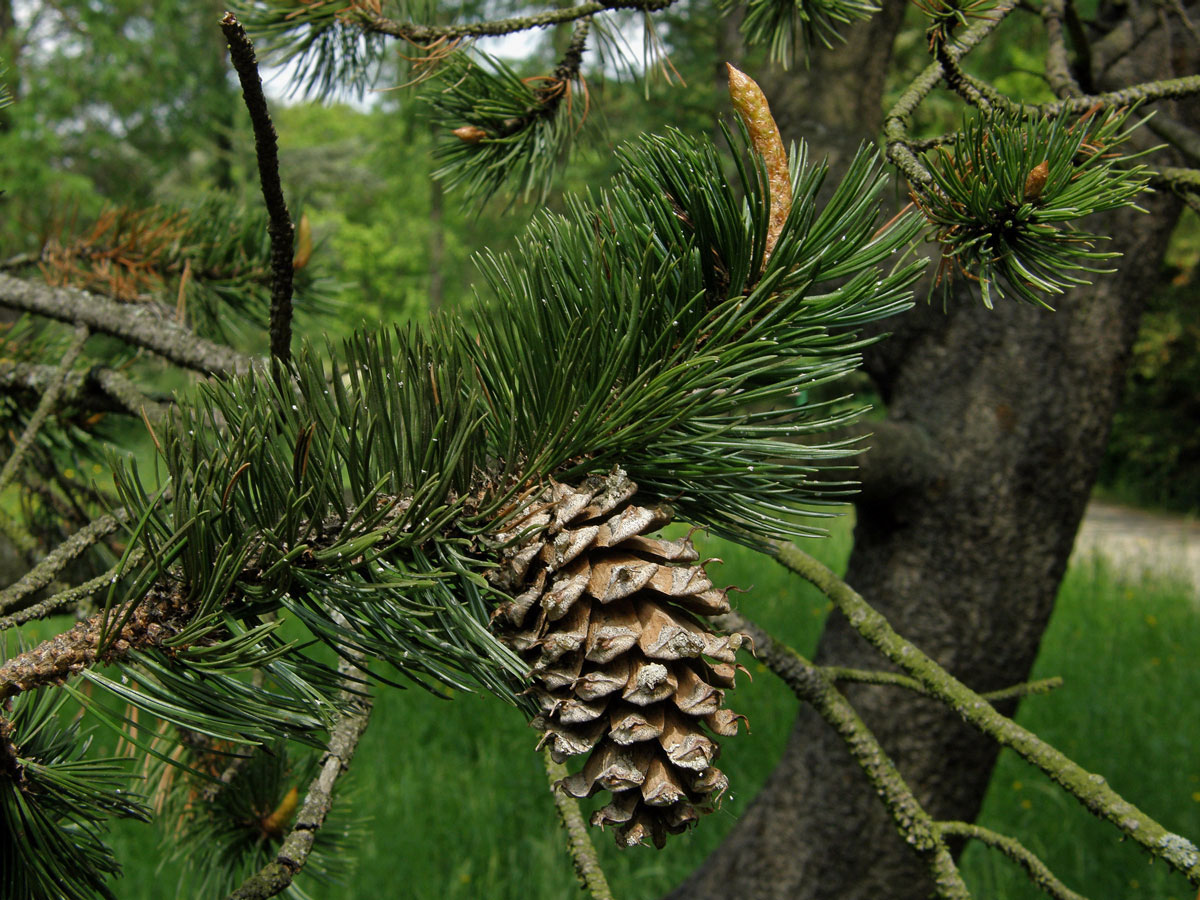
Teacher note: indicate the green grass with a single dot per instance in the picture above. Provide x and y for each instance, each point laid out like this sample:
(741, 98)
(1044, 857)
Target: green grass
(459, 807)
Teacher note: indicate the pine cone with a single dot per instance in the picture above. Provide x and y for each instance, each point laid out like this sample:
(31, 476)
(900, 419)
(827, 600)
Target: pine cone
(623, 665)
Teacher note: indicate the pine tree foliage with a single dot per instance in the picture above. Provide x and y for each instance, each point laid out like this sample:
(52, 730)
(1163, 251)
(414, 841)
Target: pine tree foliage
(503, 130)
(1006, 196)
(54, 803)
(671, 353)
(210, 264)
(225, 813)
(368, 494)
(789, 29)
(321, 39)
(472, 506)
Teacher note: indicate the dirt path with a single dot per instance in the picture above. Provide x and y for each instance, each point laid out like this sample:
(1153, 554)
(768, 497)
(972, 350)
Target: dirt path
(1141, 541)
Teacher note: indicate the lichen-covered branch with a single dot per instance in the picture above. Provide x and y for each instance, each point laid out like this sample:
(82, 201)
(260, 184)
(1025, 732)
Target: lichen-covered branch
(895, 123)
(64, 601)
(47, 570)
(1166, 89)
(895, 679)
(579, 841)
(159, 616)
(814, 686)
(45, 406)
(1058, 67)
(279, 227)
(137, 324)
(424, 34)
(1039, 873)
(1090, 789)
(99, 390)
(277, 875)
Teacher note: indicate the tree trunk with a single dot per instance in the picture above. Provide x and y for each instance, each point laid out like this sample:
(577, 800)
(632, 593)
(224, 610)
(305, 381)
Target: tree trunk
(1017, 403)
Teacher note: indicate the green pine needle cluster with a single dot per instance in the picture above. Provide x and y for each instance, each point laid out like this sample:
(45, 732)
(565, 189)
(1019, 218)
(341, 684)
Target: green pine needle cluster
(322, 39)
(1005, 197)
(502, 130)
(54, 803)
(791, 28)
(640, 330)
(229, 823)
(355, 498)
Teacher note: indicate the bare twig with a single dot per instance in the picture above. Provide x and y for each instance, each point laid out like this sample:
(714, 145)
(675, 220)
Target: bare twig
(876, 676)
(99, 390)
(64, 601)
(1090, 789)
(579, 842)
(1039, 873)
(280, 227)
(138, 324)
(277, 875)
(46, 406)
(47, 570)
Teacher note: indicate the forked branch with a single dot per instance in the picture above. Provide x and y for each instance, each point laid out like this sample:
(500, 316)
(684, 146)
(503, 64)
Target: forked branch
(1090, 789)
(277, 875)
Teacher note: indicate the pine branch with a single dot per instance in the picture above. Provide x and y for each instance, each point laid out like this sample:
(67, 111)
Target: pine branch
(579, 841)
(1184, 182)
(813, 685)
(45, 407)
(895, 679)
(508, 129)
(100, 389)
(427, 34)
(48, 569)
(64, 601)
(1089, 789)
(1004, 202)
(149, 623)
(895, 122)
(1039, 873)
(266, 149)
(277, 875)
(1058, 66)
(140, 325)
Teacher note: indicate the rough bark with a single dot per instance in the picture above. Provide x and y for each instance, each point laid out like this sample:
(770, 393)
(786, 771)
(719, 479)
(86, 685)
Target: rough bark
(1019, 401)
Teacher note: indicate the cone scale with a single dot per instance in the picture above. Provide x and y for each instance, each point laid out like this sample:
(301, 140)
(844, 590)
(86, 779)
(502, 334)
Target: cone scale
(624, 667)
